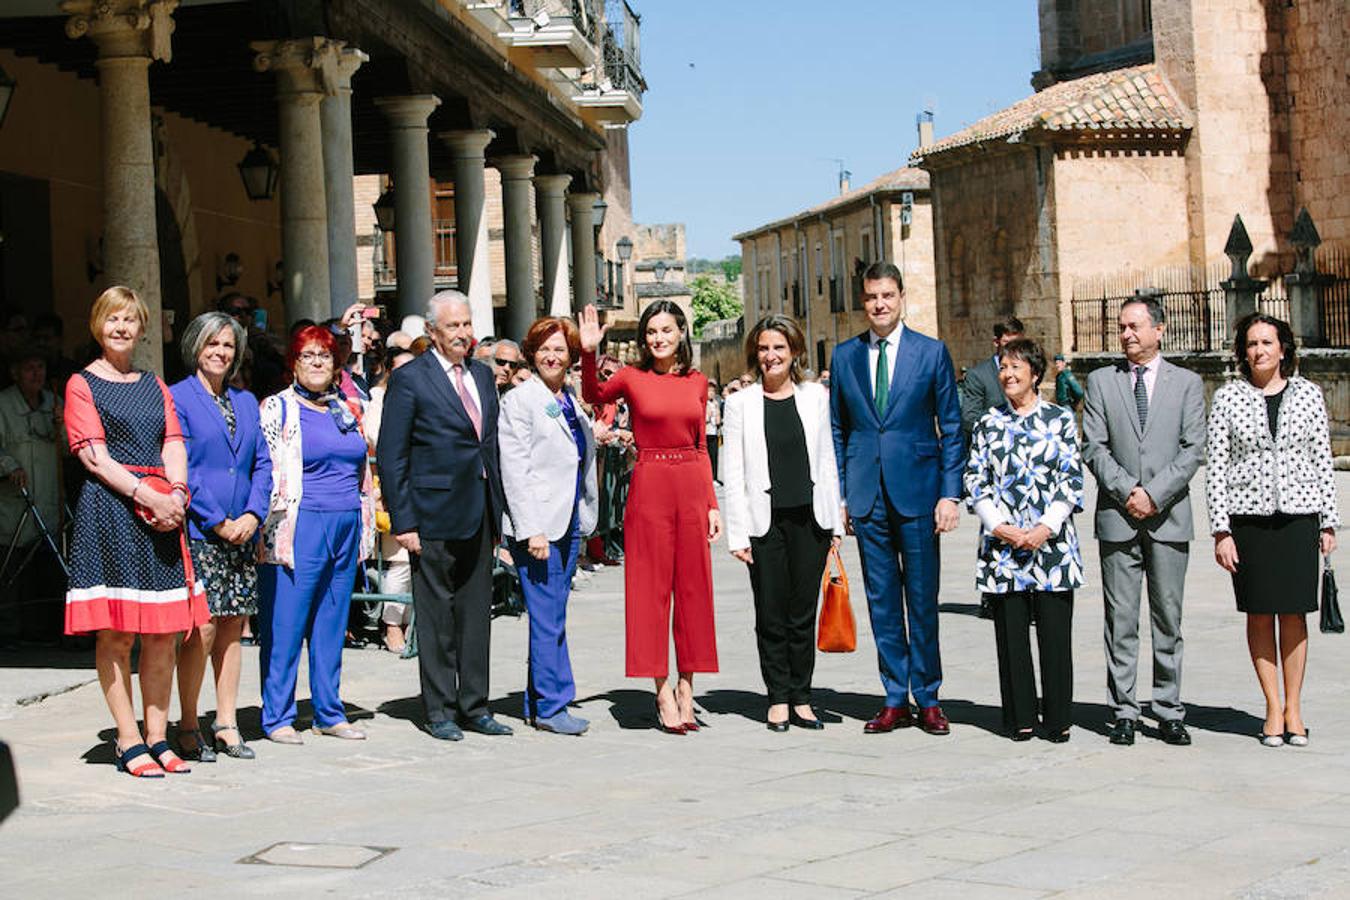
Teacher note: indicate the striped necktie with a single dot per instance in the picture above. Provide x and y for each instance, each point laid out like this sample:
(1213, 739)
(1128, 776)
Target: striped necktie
(1140, 396)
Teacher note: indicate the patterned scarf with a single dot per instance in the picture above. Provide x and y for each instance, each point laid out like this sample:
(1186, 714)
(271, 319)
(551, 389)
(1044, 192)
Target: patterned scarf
(332, 398)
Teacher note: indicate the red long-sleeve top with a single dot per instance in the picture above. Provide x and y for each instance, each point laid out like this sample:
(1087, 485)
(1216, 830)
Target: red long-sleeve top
(667, 412)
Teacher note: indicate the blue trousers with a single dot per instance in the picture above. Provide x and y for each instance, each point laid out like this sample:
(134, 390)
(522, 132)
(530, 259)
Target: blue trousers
(546, 584)
(900, 574)
(311, 602)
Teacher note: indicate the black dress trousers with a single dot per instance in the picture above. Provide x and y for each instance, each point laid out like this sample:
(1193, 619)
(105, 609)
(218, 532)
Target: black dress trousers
(452, 600)
(1016, 678)
(789, 560)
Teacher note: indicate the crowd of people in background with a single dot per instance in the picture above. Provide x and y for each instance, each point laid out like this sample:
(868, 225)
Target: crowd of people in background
(453, 478)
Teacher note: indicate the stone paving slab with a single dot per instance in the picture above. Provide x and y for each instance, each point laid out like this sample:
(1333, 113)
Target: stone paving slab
(733, 811)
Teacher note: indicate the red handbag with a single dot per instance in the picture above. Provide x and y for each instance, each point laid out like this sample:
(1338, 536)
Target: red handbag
(837, 633)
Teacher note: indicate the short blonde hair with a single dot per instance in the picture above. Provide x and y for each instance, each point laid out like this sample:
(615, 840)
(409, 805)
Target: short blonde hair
(116, 299)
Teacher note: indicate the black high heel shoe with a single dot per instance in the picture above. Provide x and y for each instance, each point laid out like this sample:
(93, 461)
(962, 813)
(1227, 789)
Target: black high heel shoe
(803, 722)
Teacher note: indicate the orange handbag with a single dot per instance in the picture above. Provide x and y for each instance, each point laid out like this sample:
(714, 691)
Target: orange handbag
(838, 633)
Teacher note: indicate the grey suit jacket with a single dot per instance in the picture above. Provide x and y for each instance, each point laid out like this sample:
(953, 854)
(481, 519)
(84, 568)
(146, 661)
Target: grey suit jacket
(980, 391)
(1162, 458)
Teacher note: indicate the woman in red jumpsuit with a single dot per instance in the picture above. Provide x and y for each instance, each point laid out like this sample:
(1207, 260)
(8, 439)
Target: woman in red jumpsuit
(672, 513)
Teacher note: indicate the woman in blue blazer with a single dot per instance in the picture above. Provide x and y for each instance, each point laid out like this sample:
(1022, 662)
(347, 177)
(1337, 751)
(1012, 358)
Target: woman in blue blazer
(547, 450)
(230, 476)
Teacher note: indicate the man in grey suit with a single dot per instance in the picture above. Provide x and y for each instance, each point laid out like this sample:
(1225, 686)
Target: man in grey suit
(1143, 439)
(981, 388)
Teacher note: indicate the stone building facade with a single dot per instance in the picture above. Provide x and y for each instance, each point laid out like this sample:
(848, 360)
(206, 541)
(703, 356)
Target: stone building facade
(1153, 124)
(122, 151)
(806, 264)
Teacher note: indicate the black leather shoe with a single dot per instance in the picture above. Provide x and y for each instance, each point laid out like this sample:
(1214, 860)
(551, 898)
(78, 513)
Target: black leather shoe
(485, 724)
(445, 731)
(1122, 733)
(809, 724)
(1174, 732)
(776, 727)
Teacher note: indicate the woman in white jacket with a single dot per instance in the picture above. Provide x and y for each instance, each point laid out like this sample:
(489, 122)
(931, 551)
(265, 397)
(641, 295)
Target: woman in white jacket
(782, 508)
(1272, 506)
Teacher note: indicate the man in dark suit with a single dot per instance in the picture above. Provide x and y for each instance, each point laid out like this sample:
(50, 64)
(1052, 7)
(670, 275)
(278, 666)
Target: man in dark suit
(897, 440)
(982, 389)
(437, 457)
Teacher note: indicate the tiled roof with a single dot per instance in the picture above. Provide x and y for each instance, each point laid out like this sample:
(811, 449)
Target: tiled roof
(905, 179)
(1123, 99)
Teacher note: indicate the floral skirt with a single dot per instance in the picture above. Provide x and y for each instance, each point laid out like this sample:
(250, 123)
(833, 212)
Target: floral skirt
(229, 576)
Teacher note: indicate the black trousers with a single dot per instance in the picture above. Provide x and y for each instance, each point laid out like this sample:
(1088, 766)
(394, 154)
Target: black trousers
(713, 448)
(452, 601)
(789, 560)
(1016, 678)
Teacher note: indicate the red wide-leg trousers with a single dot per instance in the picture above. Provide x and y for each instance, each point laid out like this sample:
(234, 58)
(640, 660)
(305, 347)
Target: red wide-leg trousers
(665, 529)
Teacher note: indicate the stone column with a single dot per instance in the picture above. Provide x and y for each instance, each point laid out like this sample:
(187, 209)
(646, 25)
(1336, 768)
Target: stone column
(471, 227)
(306, 70)
(335, 119)
(129, 34)
(414, 246)
(520, 297)
(549, 194)
(582, 206)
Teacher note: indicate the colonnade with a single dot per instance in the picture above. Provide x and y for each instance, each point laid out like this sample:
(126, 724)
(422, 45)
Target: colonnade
(318, 232)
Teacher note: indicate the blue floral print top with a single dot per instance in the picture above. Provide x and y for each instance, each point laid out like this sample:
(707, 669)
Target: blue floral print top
(1024, 464)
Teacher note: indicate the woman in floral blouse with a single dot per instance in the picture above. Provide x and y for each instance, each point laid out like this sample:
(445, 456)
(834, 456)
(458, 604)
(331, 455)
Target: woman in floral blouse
(1025, 481)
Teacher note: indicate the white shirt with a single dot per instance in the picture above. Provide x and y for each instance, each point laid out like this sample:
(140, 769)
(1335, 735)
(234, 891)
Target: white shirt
(874, 353)
(1150, 375)
(470, 384)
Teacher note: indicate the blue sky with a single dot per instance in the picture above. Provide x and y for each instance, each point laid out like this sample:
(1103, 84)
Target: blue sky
(749, 101)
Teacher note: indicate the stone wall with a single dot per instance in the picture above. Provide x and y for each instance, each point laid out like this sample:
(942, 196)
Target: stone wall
(994, 253)
(721, 354)
(1318, 82)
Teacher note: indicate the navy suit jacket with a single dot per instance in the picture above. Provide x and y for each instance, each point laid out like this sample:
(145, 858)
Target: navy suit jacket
(432, 465)
(227, 476)
(916, 449)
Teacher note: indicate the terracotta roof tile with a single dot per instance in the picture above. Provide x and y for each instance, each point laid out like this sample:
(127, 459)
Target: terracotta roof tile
(1135, 97)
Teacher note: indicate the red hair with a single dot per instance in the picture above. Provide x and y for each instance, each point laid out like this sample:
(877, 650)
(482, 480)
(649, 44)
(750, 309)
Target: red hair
(545, 328)
(311, 334)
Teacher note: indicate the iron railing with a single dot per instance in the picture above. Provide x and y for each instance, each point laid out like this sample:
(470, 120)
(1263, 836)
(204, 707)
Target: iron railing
(385, 253)
(622, 49)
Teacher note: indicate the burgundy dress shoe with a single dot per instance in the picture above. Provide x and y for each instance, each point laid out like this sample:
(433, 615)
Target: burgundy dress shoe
(889, 719)
(932, 721)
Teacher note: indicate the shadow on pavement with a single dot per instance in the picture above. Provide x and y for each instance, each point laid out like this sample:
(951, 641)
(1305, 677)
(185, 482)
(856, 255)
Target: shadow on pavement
(631, 708)
(960, 609)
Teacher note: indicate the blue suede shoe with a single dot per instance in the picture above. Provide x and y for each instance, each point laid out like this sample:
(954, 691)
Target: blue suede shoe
(563, 723)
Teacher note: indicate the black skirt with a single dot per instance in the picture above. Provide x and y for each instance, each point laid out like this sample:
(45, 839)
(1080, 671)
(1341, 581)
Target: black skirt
(1278, 563)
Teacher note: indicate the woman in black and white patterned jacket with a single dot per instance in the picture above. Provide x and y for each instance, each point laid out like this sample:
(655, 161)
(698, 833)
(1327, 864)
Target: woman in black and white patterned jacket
(1272, 501)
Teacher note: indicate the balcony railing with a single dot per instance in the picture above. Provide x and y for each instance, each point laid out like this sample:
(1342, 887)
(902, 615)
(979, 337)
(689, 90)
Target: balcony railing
(613, 92)
(443, 243)
(559, 34)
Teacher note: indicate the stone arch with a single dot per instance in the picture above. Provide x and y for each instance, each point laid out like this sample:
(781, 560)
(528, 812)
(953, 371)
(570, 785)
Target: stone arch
(171, 180)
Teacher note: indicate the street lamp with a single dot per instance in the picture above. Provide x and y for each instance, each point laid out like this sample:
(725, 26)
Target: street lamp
(7, 86)
(659, 270)
(624, 248)
(259, 173)
(384, 210)
(598, 212)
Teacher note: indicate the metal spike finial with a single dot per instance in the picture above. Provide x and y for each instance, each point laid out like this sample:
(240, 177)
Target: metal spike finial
(1304, 236)
(1238, 249)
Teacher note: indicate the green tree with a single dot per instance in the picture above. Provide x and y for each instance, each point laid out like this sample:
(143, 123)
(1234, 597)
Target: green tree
(713, 299)
(731, 268)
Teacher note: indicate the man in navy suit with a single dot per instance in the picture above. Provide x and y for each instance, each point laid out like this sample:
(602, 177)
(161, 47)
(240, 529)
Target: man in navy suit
(437, 457)
(898, 443)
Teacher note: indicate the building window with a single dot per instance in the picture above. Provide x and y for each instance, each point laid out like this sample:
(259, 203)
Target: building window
(820, 269)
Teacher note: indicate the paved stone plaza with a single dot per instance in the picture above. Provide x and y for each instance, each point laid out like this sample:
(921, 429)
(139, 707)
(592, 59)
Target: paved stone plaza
(733, 811)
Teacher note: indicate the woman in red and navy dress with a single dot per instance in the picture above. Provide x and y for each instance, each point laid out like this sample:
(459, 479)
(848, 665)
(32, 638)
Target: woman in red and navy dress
(672, 514)
(131, 575)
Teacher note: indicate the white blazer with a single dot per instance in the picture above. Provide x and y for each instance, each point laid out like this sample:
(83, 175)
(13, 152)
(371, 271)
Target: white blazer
(539, 464)
(745, 462)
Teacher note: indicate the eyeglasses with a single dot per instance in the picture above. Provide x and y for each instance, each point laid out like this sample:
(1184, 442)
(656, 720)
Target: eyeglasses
(240, 311)
(311, 356)
(514, 365)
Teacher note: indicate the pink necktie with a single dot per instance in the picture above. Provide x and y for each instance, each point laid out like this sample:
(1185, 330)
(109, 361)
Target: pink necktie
(469, 406)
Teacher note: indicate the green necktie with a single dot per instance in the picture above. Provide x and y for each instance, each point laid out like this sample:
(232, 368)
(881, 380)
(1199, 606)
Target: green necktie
(883, 388)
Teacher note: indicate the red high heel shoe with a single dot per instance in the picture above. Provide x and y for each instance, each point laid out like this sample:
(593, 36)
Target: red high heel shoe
(668, 729)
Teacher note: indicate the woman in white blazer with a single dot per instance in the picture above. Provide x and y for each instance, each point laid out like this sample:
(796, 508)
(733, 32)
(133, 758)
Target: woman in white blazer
(782, 508)
(548, 472)
(1272, 506)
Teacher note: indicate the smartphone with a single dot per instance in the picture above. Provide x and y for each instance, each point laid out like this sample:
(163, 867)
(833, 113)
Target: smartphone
(260, 319)
(372, 312)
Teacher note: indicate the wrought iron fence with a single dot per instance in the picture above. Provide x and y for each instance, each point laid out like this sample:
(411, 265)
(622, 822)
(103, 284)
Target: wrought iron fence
(622, 51)
(1193, 299)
